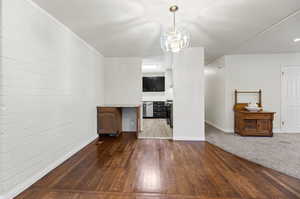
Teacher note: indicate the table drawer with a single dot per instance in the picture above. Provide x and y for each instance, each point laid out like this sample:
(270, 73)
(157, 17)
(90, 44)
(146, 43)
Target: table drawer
(257, 116)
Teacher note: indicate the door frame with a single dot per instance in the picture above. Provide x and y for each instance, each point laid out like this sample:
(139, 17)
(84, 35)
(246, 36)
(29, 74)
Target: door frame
(283, 128)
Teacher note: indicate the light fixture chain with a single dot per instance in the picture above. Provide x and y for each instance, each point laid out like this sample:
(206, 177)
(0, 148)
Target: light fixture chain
(175, 39)
(174, 22)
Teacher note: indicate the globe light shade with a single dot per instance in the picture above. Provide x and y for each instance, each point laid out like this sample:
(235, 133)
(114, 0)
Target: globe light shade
(173, 40)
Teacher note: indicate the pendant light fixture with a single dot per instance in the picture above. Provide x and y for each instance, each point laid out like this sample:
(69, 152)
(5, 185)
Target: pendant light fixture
(175, 39)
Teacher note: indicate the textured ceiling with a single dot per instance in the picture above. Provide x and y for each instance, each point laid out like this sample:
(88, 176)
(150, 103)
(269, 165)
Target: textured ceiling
(132, 27)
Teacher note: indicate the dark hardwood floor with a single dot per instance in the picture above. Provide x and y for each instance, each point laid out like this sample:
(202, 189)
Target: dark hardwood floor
(126, 168)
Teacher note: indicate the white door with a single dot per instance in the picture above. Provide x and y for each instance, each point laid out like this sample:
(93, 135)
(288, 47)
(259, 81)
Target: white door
(290, 99)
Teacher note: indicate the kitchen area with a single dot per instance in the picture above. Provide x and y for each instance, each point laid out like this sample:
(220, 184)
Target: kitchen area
(157, 97)
(140, 100)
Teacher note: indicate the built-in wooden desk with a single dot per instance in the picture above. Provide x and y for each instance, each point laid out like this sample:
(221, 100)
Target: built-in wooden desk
(109, 119)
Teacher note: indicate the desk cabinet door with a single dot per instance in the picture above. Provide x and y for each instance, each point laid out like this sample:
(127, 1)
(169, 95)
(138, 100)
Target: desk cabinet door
(109, 121)
(264, 126)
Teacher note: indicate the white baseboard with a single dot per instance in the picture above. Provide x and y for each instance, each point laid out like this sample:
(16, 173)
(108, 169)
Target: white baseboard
(188, 139)
(23, 186)
(155, 138)
(218, 127)
(278, 131)
(285, 131)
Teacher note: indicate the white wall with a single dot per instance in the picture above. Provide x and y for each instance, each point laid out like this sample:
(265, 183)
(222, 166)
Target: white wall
(154, 96)
(251, 72)
(49, 93)
(123, 87)
(266, 68)
(215, 88)
(2, 108)
(99, 84)
(189, 95)
(123, 81)
(169, 84)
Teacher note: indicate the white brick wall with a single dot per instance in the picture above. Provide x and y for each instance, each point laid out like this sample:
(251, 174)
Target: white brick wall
(50, 84)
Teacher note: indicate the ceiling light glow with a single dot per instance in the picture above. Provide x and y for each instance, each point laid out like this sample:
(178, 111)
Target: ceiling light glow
(175, 39)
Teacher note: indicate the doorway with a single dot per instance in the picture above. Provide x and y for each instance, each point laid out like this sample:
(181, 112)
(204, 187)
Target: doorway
(290, 99)
(157, 98)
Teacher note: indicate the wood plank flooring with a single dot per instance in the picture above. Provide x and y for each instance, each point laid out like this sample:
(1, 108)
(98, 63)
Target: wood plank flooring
(155, 128)
(126, 168)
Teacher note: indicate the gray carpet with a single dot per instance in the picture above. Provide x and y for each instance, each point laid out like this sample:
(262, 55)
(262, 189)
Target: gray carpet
(281, 152)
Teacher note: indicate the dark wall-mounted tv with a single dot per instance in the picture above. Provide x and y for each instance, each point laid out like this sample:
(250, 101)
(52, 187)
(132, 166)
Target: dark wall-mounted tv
(154, 84)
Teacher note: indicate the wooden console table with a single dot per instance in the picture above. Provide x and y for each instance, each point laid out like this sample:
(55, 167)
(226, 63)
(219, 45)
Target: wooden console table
(248, 123)
(254, 123)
